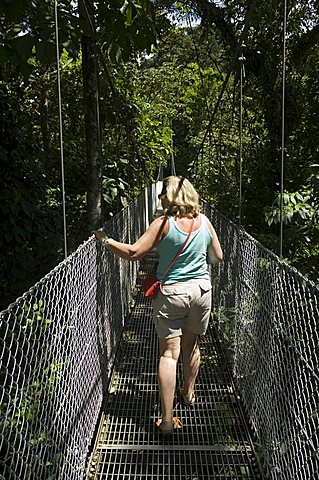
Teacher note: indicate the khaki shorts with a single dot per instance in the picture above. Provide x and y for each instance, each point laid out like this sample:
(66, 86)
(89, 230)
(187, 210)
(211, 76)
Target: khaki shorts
(183, 306)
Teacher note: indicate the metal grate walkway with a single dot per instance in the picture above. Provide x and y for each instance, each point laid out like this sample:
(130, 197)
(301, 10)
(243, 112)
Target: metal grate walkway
(214, 442)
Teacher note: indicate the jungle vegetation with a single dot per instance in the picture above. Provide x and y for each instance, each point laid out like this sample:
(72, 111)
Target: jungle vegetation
(140, 81)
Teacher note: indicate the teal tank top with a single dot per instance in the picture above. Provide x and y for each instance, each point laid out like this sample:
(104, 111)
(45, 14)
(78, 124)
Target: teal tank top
(191, 263)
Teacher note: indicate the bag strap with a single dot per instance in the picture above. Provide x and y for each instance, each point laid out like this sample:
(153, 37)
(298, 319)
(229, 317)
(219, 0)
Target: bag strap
(179, 251)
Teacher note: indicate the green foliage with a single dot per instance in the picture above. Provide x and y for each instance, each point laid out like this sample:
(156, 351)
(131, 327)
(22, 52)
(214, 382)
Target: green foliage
(261, 141)
(23, 402)
(33, 317)
(23, 416)
(28, 32)
(154, 103)
(28, 230)
(300, 214)
(127, 28)
(114, 188)
(295, 207)
(134, 143)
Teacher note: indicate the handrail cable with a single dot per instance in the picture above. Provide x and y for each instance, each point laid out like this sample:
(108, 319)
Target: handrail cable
(234, 59)
(283, 130)
(60, 125)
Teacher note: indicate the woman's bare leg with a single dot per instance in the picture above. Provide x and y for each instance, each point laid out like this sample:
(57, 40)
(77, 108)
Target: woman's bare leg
(191, 361)
(169, 353)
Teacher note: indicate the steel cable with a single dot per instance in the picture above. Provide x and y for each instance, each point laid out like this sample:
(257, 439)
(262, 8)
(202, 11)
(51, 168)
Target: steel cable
(60, 127)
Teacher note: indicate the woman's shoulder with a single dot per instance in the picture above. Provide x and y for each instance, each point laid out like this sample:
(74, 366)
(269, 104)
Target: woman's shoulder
(158, 221)
(160, 225)
(161, 219)
(208, 223)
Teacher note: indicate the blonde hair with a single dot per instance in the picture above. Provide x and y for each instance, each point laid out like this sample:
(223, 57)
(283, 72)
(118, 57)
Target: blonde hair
(181, 195)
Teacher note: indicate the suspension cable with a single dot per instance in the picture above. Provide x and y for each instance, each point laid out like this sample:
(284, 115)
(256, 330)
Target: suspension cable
(60, 125)
(210, 133)
(242, 59)
(198, 61)
(283, 130)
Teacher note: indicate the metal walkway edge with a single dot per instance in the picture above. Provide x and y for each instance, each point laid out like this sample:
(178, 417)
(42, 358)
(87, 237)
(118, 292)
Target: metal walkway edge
(214, 442)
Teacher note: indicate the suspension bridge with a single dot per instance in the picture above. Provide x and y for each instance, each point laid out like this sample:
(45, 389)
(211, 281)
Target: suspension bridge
(79, 393)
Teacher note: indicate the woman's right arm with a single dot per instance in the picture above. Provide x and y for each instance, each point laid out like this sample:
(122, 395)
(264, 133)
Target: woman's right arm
(136, 251)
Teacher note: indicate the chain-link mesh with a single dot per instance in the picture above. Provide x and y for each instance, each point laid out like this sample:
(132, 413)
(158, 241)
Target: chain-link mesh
(268, 319)
(58, 344)
(57, 347)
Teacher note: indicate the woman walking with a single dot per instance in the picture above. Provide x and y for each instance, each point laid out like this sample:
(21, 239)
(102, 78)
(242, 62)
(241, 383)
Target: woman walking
(181, 309)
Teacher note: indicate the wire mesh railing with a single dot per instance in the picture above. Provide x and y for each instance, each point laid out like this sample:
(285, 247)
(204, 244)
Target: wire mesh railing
(58, 344)
(268, 319)
(57, 347)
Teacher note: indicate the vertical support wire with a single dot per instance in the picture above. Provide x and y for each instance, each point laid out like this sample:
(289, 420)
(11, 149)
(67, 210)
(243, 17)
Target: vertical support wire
(283, 130)
(241, 58)
(220, 148)
(60, 124)
(173, 168)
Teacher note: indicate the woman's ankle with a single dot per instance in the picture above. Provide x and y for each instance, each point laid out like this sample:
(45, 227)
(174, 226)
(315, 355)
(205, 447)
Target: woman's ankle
(167, 418)
(187, 392)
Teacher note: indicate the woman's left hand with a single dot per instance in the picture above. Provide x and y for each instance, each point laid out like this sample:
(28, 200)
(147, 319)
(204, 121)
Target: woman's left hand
(99, 235)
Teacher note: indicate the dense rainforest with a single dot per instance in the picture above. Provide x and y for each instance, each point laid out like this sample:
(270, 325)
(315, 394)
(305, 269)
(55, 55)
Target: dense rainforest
(143, 82)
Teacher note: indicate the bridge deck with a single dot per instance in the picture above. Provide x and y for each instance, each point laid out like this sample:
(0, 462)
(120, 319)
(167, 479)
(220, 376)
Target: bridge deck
(214, 441)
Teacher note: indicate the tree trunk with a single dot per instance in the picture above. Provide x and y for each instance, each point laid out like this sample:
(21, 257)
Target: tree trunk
(92, 125)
